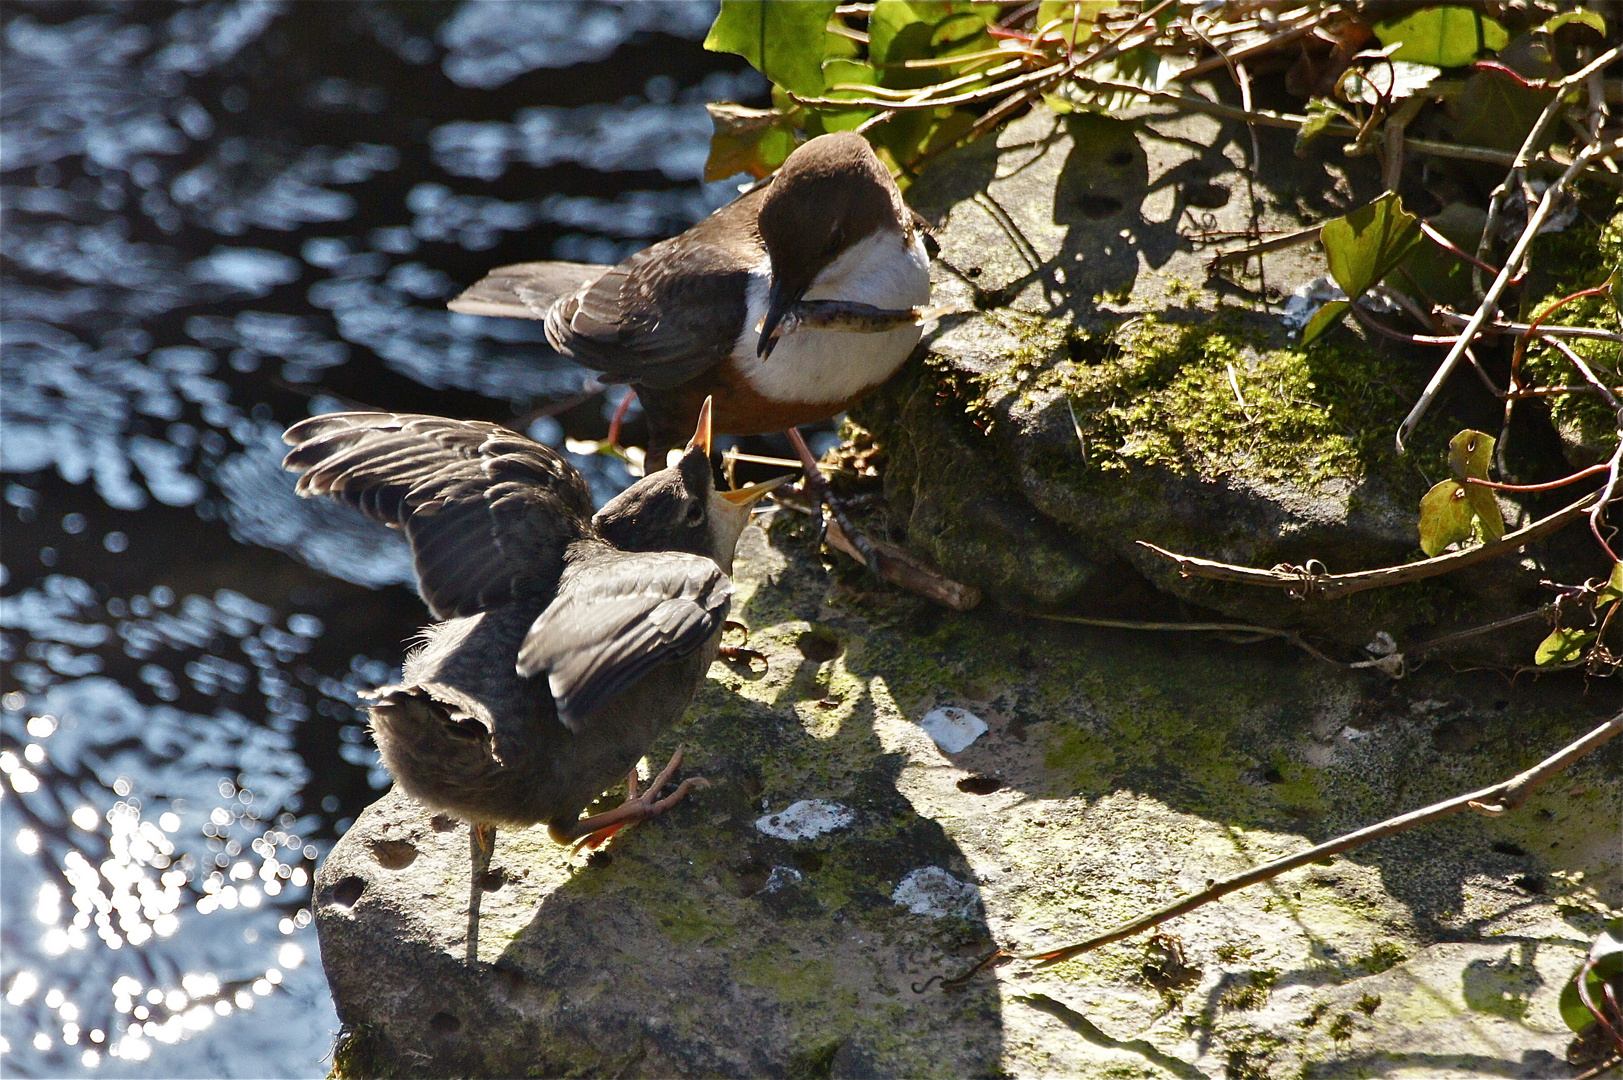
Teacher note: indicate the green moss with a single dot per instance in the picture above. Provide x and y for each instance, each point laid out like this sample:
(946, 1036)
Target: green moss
(1579, 258)
(1381, 956)
(1299, 789)
(1162, 394)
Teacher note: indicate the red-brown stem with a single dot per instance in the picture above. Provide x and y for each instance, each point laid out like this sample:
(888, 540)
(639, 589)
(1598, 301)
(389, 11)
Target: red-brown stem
(1532, 327)
(1551, 486)
(1448, 245)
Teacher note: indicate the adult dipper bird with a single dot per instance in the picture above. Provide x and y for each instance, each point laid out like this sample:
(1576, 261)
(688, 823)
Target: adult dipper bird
(568, 642)
(702, 315)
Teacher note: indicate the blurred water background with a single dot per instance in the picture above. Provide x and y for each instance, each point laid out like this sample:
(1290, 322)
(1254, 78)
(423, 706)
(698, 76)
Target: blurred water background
(220, 217)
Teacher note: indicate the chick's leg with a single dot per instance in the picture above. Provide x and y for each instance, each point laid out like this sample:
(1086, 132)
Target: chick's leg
(594, 831)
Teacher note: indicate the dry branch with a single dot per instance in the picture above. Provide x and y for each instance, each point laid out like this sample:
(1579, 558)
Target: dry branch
(1330, 586)
(1491, 801)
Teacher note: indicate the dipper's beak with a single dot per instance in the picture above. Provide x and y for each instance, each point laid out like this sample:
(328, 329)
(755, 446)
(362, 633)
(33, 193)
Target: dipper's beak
(778, 301)
(701, 434)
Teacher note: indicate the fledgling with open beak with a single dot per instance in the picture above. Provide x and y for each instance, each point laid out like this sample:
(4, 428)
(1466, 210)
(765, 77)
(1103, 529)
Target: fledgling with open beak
(568, 641)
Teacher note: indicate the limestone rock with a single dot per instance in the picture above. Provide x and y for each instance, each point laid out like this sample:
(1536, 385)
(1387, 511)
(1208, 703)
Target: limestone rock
(1094, 389)
(788, 920)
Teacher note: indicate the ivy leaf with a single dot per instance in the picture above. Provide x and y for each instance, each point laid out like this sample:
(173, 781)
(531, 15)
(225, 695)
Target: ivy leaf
(1613, 589)
(838, 72)
(1592, 19)
(1470, 453)
(902, 30)
(747, 140)
(1070, 22)
(1605, 961)
(1563, 646)
(1366, 244)
(1320, 112)
(1323, 319)
(1445, 517)
(784, 42)
(1442, 36)
(1494, 110)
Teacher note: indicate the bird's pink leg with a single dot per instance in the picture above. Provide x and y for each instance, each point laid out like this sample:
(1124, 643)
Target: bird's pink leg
(594, 831)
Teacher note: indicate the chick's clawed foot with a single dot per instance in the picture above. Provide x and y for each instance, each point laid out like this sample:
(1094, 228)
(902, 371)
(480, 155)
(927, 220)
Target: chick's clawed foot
(594, 831)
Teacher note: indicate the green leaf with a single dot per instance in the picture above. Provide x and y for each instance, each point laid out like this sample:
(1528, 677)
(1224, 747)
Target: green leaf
(1470, 453)
(901, 30)
(1592, 19)
(842, 71)
(1363, 246)
(1323, 319)
(784, 42)
(1070, 21)
(1436, 274)
(1605, 961)
(1613, 589)
(1494, 110)
(1563, 646)
(1443, 36)
(1320, 112)
(1445, 517)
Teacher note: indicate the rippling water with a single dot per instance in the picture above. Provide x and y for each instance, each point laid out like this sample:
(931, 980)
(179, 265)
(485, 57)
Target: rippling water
(219, 218)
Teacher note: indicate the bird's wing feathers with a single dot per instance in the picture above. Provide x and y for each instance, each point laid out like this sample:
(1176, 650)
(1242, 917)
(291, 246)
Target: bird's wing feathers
(670, 311)
(487, 511)
(524, 290)
(617, 618)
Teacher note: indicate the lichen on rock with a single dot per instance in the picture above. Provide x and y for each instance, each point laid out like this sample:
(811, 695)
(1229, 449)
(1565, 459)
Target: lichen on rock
(1116, 773)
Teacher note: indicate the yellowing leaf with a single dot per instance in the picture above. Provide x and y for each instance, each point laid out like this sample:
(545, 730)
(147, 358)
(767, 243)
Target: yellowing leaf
(1470, 453)
(1445, 517)
(747, 140)
(1443, 36)
(1487, 511)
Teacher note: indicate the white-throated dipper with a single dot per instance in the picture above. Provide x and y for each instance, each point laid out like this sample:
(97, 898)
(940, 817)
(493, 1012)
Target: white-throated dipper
(697, 316)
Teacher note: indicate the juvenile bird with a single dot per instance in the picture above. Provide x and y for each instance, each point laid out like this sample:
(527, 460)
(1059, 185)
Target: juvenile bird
(568, 641)
(699, 315)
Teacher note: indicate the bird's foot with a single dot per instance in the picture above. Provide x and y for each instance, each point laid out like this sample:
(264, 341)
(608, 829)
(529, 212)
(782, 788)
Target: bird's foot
(593, 832)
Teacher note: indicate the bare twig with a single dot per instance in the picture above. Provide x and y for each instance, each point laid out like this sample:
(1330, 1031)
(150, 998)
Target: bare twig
(1330, 586)
(1491, 801)
(1232, 628)
(1485, 310)
(1452, 318)
(901, 567)
(1524, 157)
(1262, 247)
(1266, 45)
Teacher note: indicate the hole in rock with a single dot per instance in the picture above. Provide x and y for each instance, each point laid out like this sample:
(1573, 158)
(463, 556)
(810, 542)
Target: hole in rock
(979, 785)
(818, 646)
(347, 891)
(393, 854)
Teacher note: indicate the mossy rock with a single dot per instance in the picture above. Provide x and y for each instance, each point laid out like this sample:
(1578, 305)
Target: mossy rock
(1117, 772)
(1093, 389)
